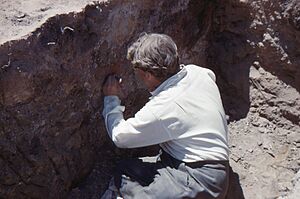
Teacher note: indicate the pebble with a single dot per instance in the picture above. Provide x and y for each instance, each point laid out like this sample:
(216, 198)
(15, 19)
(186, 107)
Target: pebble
(255, 124)
(235, 157)
(271, 154)
(261, 44)
(250, 150)
(285, 186)
(21, 16)
(259, 143)
(262, 130)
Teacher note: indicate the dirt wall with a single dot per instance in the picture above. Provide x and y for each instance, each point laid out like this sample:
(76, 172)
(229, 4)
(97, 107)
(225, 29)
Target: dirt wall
(51, 100)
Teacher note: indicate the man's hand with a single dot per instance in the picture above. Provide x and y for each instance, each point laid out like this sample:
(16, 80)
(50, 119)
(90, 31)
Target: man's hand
(112, 86)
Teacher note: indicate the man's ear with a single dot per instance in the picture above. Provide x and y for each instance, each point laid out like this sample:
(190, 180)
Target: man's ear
(148, 75)
(152, 78)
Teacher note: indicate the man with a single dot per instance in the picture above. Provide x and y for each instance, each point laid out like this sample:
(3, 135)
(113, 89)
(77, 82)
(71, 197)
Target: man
(184, 116)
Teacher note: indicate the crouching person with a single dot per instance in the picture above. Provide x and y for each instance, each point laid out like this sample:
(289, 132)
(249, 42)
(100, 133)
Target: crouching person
(184, 115)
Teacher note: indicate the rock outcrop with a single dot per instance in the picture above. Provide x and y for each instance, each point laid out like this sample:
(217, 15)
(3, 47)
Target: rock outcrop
(50, 97)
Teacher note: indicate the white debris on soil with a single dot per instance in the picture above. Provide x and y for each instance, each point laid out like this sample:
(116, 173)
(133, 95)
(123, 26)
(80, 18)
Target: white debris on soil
(18, 18)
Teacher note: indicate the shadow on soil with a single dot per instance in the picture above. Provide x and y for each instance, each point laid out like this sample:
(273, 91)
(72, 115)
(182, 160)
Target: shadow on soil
(235, 190)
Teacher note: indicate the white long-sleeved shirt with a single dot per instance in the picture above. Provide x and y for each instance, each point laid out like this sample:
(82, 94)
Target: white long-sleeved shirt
(185, 116)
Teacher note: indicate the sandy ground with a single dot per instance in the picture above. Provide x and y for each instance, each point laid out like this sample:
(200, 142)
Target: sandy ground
(18, 18)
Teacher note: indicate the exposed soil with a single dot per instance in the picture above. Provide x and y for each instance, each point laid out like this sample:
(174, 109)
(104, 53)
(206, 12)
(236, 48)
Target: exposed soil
(52, 135)
(18, 18)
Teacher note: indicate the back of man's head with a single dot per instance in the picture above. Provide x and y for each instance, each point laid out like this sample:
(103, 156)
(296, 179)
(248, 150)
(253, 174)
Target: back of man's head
(155, 53)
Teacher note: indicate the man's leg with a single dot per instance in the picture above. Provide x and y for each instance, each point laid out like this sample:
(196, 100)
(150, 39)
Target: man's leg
(168, 183)
(112, 191)
(141, 170)
(209, 182)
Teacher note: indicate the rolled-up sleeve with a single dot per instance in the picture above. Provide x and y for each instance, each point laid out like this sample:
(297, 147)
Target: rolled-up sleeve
(112, 112)
(143, 129)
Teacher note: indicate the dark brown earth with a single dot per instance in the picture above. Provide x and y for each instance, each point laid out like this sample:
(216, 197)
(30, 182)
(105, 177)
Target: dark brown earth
(52, 135)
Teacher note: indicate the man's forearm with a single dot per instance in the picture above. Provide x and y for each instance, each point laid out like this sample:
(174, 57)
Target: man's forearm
(112, 112)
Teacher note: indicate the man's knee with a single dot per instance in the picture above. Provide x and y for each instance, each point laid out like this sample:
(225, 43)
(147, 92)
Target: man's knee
(129, 168)
(136, 170)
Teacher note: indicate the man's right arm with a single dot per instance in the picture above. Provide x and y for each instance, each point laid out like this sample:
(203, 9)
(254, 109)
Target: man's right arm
(112, 113)
(143, 129)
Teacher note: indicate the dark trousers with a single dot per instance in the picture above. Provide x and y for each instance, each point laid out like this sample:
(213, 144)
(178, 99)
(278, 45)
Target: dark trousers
(163, 176)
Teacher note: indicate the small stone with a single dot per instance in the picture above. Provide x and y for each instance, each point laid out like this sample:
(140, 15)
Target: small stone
(255, 124)
(87, 85)
(20, 16)
(259, 143)
(285, 186)
(45, 9)
(260, 44)
(235, 158)
(51, 43)
(262, 130)
(256, 63)
(271, 154)
(252, 109)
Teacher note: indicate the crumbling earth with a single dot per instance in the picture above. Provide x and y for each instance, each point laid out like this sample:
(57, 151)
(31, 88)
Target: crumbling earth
(53, 141)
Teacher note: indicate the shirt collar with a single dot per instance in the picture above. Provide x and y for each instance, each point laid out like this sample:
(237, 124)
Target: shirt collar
(170, 81)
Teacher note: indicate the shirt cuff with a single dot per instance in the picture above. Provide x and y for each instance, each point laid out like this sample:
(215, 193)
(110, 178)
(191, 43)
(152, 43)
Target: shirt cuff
(110, 103)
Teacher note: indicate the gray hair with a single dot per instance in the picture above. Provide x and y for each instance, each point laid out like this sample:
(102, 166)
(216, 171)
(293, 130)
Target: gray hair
(155, 53)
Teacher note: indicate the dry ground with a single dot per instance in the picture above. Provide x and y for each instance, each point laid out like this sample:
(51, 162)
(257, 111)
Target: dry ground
(18, 18)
